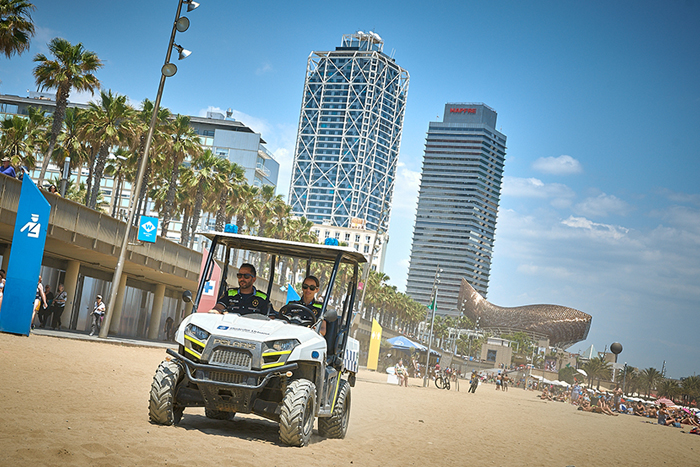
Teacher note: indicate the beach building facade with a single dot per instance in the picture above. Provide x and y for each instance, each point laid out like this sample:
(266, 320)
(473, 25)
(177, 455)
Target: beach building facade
(223, 135)
(349, 136)
(457, 205)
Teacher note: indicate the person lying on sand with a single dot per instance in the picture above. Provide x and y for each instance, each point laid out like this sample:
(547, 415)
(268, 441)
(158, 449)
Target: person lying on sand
(605, 408)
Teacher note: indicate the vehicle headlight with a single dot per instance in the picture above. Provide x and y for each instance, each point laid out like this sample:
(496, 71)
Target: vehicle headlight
(197, 332)
(285, 345)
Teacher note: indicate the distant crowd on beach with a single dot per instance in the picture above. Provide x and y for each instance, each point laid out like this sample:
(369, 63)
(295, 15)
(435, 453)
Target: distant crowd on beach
(614, 403)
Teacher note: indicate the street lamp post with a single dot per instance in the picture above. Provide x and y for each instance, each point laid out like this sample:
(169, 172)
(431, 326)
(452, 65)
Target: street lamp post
(432, 322)
(168, 69)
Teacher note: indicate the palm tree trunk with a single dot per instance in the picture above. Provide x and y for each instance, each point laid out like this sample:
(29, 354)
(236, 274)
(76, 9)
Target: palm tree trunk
(56, 127)
(185, 230)
(169, 200)
(199, 199)
(97, 175)
(91, 171)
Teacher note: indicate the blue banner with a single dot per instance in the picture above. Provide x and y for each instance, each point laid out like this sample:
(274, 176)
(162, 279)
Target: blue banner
(148, 229)
(25, 259)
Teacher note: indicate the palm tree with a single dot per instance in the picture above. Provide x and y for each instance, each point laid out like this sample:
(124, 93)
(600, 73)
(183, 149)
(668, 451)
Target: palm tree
(16, 26)
(72, 68)
(649, 379)
(109, 124)
(184, 141)
(668, 388)
(71, 144)
(690, 388)
(116, 168)
(597, 369)
(205, 175)
(13, 142)
(155, 158)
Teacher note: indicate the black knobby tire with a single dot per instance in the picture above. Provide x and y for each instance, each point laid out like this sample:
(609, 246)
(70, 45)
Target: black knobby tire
(439, 382)
(336, 426)
(447, 382)
(219, 414)
(297, 413)
(162, 406)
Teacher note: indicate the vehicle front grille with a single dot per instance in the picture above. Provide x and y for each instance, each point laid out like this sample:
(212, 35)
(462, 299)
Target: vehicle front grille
(227, 377)
(231, 357)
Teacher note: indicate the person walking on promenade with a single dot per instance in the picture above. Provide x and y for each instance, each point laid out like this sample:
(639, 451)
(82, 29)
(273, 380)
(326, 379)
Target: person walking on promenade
(98, 313)
(59, 303)
(45, 313)
(39, 299)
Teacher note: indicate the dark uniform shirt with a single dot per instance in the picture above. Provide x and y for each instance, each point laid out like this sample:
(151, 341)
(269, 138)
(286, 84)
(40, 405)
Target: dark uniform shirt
(244, 304)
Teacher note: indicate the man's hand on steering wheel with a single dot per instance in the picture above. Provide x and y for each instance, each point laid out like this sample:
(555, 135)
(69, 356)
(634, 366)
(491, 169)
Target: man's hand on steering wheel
(296, 313)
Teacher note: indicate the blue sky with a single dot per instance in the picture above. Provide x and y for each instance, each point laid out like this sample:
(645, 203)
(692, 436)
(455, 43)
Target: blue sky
(600, 102)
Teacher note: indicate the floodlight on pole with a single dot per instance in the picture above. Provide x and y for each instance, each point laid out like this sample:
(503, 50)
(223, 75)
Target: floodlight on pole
(167, 70)
(183, 53)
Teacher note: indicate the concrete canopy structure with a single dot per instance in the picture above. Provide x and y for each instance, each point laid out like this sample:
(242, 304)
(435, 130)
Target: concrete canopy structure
(563, 326)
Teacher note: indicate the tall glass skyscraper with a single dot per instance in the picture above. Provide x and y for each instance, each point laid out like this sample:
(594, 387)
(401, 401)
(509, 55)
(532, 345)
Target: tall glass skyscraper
(457, 205)
(349, 135)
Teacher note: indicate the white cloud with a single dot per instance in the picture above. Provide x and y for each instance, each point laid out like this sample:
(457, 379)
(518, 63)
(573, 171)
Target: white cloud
(560, 195)
(406, 189)
(562, 165)
(601, 206)
(265, 68)
(597, 230)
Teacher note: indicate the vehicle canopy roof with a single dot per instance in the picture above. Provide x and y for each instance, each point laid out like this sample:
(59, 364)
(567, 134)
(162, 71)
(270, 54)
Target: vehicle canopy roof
(286, 248)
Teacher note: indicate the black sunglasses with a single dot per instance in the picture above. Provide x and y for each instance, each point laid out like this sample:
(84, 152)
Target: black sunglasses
(246, 275)
(310, 287)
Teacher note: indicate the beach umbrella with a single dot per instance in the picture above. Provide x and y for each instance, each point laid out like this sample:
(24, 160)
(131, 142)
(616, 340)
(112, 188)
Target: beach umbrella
(665, 401)
(582, 372)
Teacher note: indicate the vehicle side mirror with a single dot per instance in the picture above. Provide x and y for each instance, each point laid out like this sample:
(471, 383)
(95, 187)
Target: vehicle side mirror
(187, 296)
(330, 315)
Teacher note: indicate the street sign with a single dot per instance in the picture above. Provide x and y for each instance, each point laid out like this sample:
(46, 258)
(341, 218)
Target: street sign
(148, 229)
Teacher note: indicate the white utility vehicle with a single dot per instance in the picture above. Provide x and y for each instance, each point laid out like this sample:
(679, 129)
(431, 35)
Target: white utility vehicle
(281, 369)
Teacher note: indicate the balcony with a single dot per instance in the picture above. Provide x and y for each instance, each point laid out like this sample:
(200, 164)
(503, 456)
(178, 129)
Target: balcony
(262, 170)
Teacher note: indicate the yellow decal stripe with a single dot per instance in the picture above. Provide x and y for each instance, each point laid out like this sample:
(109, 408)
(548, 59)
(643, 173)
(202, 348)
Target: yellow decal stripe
(192, 352)
(272, 365)
(192, 339)
(335, 396)
(283, 352)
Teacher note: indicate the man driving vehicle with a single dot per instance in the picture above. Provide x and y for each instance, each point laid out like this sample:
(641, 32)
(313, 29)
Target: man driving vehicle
(246, 299)
(308, 299)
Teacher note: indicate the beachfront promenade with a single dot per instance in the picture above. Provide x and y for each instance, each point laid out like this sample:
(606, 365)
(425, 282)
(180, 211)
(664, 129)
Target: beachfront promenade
(82, 242)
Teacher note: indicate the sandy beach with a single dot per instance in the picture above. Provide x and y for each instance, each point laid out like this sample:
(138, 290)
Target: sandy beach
(85, 403)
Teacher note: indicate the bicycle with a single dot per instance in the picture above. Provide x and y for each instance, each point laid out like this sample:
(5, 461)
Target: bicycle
(442, 381)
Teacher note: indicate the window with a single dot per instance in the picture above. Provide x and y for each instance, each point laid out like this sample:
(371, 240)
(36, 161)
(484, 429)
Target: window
(366, 249)
(368, 239)
(347, 237)
(357, 247)
(357, 237)
(337, 235)
(326, 234)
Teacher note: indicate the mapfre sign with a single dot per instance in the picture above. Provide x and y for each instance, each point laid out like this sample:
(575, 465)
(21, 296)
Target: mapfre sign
(462, 110)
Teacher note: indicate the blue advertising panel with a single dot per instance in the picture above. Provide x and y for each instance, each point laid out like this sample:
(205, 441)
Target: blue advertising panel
(25, 259)
(148, 229)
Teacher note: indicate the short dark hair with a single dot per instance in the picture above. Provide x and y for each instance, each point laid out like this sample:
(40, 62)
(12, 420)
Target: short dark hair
(249, 266)
(313, 278)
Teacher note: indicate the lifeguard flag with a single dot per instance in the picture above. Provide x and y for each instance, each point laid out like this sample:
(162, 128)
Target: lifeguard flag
(209, 297)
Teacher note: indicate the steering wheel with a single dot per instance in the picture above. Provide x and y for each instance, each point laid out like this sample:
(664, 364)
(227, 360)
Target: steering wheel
(296, 313)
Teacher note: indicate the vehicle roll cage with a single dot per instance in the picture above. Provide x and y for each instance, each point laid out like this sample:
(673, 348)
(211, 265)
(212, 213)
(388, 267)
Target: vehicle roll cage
(306, 251)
